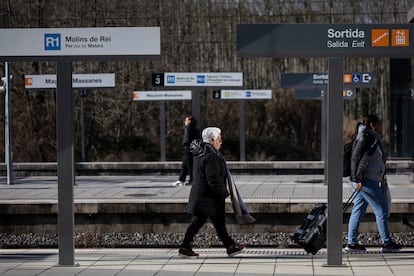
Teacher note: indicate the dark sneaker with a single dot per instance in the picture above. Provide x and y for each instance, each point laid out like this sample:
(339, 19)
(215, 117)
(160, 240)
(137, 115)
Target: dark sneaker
(235, 249)
(355, 248)
(391, 247)
(187, 253)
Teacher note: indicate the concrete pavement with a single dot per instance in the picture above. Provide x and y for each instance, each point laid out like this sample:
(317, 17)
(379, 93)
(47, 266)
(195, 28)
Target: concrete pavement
(257, 261)
(165, 261)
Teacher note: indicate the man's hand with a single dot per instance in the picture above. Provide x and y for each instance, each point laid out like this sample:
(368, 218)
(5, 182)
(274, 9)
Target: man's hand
(357, 186)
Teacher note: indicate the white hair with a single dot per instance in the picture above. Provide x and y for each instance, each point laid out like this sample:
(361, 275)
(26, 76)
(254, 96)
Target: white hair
(210, 133)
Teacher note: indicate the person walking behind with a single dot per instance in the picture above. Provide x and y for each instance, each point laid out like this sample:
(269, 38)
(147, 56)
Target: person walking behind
(208, 193)
(367, 172)
(191, 132)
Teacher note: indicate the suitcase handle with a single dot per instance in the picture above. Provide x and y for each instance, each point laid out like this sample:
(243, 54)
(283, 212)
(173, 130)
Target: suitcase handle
(349, 201)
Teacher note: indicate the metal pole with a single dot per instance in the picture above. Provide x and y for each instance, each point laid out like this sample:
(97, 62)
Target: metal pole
(65, 163)
(242, 131)
(323, 127)
(7, 130)
(196, 104)
(333, 174)
(162, 131)
(82, 94)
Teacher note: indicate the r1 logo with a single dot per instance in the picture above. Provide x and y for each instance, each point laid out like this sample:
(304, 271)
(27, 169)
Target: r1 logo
(170, 79)
(52, 42)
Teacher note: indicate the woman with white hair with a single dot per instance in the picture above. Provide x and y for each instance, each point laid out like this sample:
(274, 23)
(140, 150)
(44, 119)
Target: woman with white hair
(208, 192)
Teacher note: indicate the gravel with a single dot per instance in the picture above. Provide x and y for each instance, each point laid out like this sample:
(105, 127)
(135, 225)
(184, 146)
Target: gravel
(165, 240)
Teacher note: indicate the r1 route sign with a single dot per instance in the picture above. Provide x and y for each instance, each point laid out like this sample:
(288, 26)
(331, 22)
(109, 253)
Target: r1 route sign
(80, 43)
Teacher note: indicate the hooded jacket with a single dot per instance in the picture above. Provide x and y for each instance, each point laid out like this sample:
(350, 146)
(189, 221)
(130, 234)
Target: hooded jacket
(209, 188)
(368, 159)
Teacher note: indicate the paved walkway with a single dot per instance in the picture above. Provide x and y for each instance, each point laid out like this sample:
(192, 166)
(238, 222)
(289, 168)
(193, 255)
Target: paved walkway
(254, 261)
(262, 188)
(257, 261)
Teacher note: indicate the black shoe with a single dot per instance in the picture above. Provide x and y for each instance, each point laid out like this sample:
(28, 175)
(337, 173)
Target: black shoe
(235, 249)
(187, 253)
(391, 247)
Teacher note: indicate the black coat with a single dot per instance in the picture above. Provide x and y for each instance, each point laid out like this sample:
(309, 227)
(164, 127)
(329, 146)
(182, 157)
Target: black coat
(191, 132)
(209, 188)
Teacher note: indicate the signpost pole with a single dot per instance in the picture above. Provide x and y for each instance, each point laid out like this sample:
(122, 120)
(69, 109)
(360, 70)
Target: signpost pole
(65, 163)
(7, 131)
(82, 94)
(162, 131)
(196, 104)
(242, 131)
(333, 174)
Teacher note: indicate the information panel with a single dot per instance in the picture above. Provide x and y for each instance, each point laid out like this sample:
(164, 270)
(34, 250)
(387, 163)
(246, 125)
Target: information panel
(325, 40)
(318, 80)
(79, 42)
(219, 79)
(161, 95)
(78, 81)
(258, 94)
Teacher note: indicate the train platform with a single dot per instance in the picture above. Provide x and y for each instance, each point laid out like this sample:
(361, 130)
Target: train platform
(151, 204)
(256, 261)
(292, 190)
(253, 188)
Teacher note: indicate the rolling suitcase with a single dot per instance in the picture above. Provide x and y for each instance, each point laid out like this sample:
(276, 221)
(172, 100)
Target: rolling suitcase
(311, 235)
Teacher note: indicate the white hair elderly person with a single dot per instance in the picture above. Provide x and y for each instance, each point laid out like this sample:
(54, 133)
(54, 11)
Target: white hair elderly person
(208, 192)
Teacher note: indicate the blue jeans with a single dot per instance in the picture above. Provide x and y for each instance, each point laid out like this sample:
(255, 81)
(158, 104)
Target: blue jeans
(371, 194)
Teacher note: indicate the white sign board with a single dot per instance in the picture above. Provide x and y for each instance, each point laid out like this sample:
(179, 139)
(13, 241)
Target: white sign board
(161, 95)
(110, 41)
(78, 81)
(203, 79)
(259, 94)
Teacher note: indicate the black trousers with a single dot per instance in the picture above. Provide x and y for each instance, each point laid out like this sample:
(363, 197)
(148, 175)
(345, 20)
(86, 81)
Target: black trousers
(198, 221)
(186, 167)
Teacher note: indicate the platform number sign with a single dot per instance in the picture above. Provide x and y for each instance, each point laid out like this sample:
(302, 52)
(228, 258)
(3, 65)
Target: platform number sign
(158, 79)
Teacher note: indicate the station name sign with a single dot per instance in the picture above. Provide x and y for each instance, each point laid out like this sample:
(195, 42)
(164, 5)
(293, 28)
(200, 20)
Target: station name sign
(258, 94)
(318, 80)
(325, 40)
(50, 43)
(161, 95)
(78, 81)
(220, 79)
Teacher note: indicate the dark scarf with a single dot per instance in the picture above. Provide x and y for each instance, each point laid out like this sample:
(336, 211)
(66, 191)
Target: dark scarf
(240, 209)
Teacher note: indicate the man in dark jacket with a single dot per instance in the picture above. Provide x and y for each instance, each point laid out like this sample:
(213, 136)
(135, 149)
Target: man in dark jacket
(191, 132)
(367, 176)
(208, 193)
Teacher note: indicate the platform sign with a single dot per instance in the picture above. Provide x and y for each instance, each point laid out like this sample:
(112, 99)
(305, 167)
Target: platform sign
(65, 46)
(320, 80)
(169, 95)
(73, 43)
(336, 42)
(325, 40)
(78, 81)
(220, 79)
(317, 94)
(252, 94)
